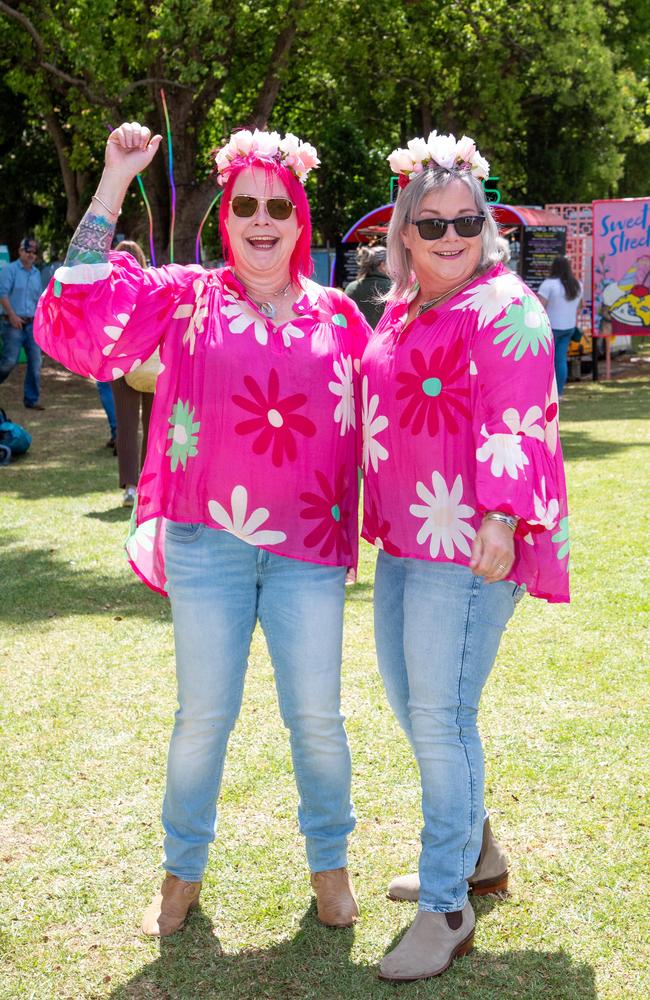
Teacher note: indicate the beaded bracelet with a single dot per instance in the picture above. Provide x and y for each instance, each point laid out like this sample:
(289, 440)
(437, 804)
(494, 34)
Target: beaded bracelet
(497, 515)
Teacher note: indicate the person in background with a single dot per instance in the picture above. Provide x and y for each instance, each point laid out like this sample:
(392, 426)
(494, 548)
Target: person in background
(561, 296)
(132, 410)
(464, 497)
(372, 283)
(20, 290)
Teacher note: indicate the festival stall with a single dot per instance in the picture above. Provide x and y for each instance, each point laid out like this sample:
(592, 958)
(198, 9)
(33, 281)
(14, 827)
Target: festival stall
(621, 269)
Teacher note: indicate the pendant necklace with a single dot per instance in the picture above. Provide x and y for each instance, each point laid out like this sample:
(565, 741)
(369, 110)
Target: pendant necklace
(438, 298)
(267, 308)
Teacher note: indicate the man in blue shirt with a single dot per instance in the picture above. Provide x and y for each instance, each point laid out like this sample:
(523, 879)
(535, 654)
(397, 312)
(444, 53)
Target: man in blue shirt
(20, 290)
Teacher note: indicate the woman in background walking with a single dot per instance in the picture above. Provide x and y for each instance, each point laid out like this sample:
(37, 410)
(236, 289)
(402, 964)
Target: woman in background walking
(561, 296)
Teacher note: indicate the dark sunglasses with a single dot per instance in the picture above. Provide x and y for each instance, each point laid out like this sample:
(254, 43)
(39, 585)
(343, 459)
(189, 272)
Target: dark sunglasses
(245, 206)
(433, 229)
(30, 250)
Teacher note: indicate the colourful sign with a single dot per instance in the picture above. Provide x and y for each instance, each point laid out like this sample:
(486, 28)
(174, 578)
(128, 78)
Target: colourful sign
(621, 265)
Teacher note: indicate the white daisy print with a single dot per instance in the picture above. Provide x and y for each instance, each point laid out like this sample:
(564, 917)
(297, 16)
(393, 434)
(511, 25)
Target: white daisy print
(527, 425)
(115, 331)
(142, 538)
(344, 389)
(374, 451)
(445, 517)
(552, 419)
(237, 523)
(291, 332)
(196, 314)
(242, 317)
(547, 512)
(492, 297)
(505, 453)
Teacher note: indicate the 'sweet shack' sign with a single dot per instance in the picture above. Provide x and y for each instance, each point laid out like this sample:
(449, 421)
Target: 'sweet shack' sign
(621, 264)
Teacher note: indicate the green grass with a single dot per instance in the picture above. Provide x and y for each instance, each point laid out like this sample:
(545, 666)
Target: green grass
(87, 701)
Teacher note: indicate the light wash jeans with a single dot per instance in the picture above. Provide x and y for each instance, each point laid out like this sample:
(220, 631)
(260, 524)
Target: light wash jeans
(437, 629)
(12, 341)
(219, 586)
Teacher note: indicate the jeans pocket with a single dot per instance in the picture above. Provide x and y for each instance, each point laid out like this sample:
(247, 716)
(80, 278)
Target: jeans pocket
(183, 531)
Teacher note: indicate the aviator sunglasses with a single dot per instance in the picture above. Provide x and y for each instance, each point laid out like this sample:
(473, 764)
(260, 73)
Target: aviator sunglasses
(434, 229)
(245, 206)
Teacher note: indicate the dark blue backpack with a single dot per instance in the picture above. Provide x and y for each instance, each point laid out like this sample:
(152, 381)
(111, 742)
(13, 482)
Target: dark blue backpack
(14, 439)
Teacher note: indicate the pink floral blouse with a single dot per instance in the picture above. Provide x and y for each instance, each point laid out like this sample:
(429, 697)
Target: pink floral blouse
(460, 416)
(254, 427)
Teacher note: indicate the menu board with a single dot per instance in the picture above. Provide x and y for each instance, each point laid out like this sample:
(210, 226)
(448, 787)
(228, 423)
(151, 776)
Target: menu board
(345, 266)
(540, 245)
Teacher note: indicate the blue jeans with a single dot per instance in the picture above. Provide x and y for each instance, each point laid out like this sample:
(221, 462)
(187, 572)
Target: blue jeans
(219, 587)
(562, 340)
(12, 341)
(437, 629)
(105, 392)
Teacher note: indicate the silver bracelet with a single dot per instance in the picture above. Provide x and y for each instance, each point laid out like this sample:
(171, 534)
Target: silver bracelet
(497, 515)
(110, 211)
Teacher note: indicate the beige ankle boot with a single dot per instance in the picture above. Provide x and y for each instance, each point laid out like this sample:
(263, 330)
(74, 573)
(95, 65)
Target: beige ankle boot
(168, 910)
(490, 874)
(335, 900)
(430, 945)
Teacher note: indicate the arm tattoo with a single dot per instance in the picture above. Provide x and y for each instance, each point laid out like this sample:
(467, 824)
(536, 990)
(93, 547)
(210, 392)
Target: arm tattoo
(91, 241)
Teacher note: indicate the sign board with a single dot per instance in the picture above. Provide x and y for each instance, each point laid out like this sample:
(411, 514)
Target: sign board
(621, 265)
(345, 265)
(540, 245)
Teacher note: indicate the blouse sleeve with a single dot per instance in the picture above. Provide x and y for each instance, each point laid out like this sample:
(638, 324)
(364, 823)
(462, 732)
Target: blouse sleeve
(104, 320)
(519, 468)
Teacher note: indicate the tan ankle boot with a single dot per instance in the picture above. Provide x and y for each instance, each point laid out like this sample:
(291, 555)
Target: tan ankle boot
(335, 899)
(490, 874)
(168, 910)
(430, 945)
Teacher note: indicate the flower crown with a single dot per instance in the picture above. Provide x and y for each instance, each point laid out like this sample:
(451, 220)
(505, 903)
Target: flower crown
(438, 151)
(300, 157)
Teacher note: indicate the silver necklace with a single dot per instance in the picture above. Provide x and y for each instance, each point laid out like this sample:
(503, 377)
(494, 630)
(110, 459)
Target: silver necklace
(438, 298)
(267, 308)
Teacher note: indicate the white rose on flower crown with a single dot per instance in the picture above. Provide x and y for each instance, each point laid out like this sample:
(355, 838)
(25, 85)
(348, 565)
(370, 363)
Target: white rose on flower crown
(300, 157)
(441, 151)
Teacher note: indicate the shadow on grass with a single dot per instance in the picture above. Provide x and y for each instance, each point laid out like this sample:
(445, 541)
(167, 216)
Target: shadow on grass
(602, 401)
(37, 584)
(316, 965)
(578, 444)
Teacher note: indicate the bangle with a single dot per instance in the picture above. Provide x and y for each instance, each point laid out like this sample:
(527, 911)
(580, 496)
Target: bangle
(497, 515)
(110, 211)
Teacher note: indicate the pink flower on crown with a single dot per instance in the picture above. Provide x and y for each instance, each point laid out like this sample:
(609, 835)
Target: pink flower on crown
(400, 160)
(480, 166)
(465, 149)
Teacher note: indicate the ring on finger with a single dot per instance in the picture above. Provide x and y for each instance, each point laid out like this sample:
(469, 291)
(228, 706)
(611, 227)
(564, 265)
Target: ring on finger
(501, 568)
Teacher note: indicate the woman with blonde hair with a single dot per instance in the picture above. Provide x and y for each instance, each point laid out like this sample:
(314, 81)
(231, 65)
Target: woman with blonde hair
(465, 499)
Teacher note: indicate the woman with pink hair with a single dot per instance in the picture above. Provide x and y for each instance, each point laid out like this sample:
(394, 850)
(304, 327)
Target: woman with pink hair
(247, 502)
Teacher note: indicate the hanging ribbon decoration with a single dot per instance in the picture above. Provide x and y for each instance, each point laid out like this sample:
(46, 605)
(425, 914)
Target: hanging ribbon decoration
(203, 222)
(148, 208)
(170, 155)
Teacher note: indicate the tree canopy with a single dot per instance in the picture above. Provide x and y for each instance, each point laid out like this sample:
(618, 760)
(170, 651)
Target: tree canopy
(555, 92)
